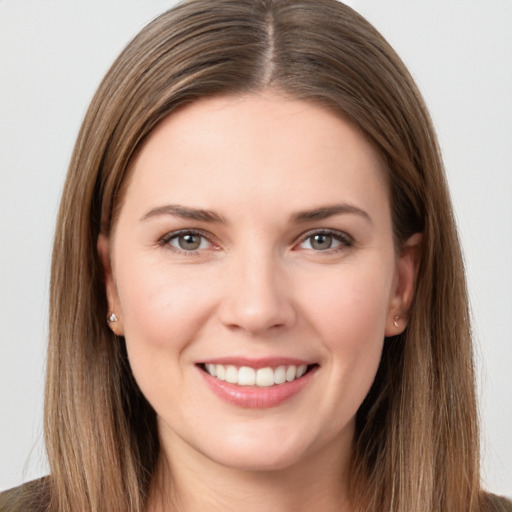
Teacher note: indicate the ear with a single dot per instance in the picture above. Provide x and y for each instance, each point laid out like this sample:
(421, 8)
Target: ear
(114, 314)
(403, 286)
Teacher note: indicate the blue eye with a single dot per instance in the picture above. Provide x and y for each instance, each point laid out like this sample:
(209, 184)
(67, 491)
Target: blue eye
(325, 240)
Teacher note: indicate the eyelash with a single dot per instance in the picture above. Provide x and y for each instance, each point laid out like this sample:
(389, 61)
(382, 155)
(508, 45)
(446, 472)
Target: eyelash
(344, 240)
(165, 241)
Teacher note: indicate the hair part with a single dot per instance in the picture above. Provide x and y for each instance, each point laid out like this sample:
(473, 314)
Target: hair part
(417, 438)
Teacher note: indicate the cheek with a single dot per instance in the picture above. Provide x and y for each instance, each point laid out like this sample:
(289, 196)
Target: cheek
(157, 301)
(350, 305)
(162, 311)
(350, 318)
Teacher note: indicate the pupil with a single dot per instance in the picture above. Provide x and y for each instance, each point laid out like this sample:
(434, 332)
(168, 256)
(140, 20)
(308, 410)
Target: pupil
(189, 242)
(321, 242)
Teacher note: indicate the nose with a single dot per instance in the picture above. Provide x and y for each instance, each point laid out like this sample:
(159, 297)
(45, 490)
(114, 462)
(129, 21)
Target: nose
(257, 296)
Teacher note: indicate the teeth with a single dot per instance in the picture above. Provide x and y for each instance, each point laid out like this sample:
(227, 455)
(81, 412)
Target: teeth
(232, 374)
(291, 373)
(246, 376)
(263, 377)
(280, 375)
(301, 370)
(220, 371)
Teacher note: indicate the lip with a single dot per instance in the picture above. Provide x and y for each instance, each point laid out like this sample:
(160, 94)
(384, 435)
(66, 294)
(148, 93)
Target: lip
(253, 397)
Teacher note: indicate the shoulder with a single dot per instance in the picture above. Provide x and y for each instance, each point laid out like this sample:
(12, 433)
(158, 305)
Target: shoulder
(30, 497)
(493, 503)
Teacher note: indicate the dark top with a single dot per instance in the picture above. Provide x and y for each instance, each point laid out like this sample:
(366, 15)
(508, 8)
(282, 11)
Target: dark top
(34, 497)
(30, 497)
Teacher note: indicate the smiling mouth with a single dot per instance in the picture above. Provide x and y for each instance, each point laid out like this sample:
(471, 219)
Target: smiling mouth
(261, 377)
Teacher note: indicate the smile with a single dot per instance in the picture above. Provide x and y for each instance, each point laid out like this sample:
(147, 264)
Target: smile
(257, 383)
(260, 377)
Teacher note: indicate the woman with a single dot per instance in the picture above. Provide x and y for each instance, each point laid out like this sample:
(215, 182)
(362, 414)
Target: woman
(257, 291)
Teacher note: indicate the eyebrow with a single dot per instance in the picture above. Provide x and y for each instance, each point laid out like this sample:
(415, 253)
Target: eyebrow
(325, 212)
(184, 212)
(198, 214)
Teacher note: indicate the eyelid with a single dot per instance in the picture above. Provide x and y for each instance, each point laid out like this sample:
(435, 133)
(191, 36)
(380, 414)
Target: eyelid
(345, 239)
(164, 240)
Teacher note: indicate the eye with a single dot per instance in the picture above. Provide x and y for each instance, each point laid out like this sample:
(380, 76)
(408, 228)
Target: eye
(325, 240)
(186, 241)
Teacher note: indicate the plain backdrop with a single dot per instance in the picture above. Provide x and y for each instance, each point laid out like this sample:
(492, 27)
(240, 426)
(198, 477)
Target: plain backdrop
(53, 54)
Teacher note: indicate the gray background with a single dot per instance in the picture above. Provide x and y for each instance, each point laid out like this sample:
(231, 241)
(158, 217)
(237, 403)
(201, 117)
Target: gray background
(52, 57)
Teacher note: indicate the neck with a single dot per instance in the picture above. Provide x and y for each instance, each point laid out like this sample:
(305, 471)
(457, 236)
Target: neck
(188, 481)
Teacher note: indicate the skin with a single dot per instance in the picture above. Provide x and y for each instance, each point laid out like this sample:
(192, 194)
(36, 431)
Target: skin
(256, 286)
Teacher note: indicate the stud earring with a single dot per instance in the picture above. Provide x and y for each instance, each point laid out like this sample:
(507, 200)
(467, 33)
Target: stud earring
(395, 321)
(112, 317)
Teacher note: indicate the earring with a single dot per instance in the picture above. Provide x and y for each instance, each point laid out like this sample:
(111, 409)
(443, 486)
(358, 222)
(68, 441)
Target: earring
(112, 317)
(395, 321)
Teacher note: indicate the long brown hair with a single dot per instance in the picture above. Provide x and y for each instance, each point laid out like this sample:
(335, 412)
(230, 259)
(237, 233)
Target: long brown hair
(417, 437)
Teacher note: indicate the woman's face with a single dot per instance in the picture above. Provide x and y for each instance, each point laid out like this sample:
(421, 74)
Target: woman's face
(254, 244)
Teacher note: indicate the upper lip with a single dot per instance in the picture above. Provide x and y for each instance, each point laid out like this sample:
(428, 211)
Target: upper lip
(262, 362)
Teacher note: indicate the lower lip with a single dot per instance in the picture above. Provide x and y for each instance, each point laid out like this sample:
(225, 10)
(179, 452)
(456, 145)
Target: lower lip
(252, 397)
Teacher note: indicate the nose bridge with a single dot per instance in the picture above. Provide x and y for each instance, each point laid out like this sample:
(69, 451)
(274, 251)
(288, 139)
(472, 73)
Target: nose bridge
(256, 296)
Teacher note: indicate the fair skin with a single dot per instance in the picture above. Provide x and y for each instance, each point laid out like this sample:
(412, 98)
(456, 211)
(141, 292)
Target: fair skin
(256, 232)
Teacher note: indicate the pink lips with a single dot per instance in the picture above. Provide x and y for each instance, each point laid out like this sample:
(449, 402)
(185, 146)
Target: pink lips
(253, 397)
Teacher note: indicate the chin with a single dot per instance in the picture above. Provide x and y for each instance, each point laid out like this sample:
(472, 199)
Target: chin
(269, 452)
(256, 461)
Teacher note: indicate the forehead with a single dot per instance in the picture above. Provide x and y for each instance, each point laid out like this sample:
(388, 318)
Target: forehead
(262, 147)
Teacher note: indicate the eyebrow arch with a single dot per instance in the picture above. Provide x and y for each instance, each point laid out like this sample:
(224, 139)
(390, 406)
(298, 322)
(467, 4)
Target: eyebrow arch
(184, 212)
(198, 214)
(325, 212)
